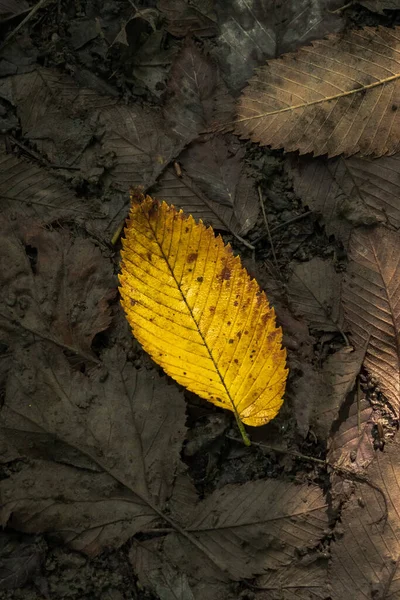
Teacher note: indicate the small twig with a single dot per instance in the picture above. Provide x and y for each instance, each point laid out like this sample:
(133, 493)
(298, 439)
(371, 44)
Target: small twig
(28, 17)
(289, 222)
(267, 226)
(341, 8)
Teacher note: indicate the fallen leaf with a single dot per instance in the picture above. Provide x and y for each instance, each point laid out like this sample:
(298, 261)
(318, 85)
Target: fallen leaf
(313, 294)
(349, 192)
(29, 192)
(217, 168)
(366, 550)
(191, 85)
(379, 6)
(351, 446)
(152, 63)
(372, 307)
(12, 8)
(54, 287)
(140, 142)
(128, 424)
(253, 30)
(322, 100)
(202, 324)
(189, 16)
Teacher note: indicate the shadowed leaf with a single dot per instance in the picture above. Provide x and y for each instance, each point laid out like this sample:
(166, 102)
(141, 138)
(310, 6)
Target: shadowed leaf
(371, 299)
(184, 17)
(380, 6)
(335, 96)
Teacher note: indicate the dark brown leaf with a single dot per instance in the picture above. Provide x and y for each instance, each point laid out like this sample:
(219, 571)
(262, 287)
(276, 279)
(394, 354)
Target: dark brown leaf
(129, 424)
(21, 558)
(54, 286)
(10, 8)
(348, 192)
(296, 582)
(191, 86)
(380, 6)
(371, 298)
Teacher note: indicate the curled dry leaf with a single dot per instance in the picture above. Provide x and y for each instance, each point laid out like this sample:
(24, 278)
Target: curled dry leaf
(205, 321)
(336, 96)
(54, 287)
(347, 192)
(366, 550)
(312, 291)
(189, 16)
(371, 302)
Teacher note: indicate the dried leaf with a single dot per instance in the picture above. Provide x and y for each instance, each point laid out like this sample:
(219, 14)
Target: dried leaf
(348, 192)
(21, 558)
(152, 63)
(218, 188)
(202, 324)
(371, 302)
(335, 96)
(253, 30)
(55, 287)
(128, 423)
(351, 446)
(30, 192)
(296, 582)
(366, 553)
(189, 16)
(191, 87)
(234, 525)
(12, 7)
(379, 6)
(313, 294)
(140, 142)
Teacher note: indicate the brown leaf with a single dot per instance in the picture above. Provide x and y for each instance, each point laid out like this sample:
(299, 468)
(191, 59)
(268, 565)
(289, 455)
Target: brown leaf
(322, 100)
(252, 31)
(296, 582)
(140, 142)
(313, 293)
(191, 86)
(366, 550)
(347, 192)
(371, 302)
(184, 17)
(218, 169)
(351, 446)
(21, 558)
(128, 423)
(54, 286)
(10, 8)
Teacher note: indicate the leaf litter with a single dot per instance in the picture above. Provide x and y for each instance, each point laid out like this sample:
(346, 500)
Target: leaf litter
(101, 455)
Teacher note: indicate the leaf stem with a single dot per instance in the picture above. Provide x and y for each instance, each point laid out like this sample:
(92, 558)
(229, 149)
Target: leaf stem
(242, 430)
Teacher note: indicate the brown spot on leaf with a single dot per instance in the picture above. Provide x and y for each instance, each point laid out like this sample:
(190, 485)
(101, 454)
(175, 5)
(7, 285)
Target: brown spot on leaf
(235, 303)
(192, 257)
(212, 309)
(235, 360)
(265, 318)
(225, 274)
(230, 341)
(186, 229)
(239, 334)
(132, 302)
(200, 279)
(228, 323)
(149, 256)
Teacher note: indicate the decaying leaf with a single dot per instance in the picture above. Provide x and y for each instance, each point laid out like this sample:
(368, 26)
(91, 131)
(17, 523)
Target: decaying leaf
(189, 16)
(366, 553)
(250, 31)
(296, 582)
(313, 292)
(191, 87)
(21, 558)
(12, 8)
(140, 142)
(218, 186)
(371, 301)
(197, 313)
(336, 96)
(128, 426)
(349, 192)
(54, 287)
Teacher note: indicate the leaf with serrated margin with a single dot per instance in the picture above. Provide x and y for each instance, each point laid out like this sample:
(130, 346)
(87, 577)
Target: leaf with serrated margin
(371, 300)
(366, 551)
(313, 293)
(122, 432)
(336, 96)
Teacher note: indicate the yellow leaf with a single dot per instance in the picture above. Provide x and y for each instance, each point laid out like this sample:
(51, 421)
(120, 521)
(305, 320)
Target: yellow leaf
(195, 310)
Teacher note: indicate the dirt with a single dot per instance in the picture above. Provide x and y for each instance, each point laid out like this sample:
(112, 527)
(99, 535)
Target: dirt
(77, 39)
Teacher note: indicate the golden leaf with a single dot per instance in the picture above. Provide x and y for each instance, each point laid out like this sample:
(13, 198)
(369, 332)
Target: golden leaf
(195, 310)
(338, 95)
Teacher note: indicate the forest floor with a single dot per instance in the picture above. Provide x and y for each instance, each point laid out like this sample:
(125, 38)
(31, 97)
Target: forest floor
(97, 97)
